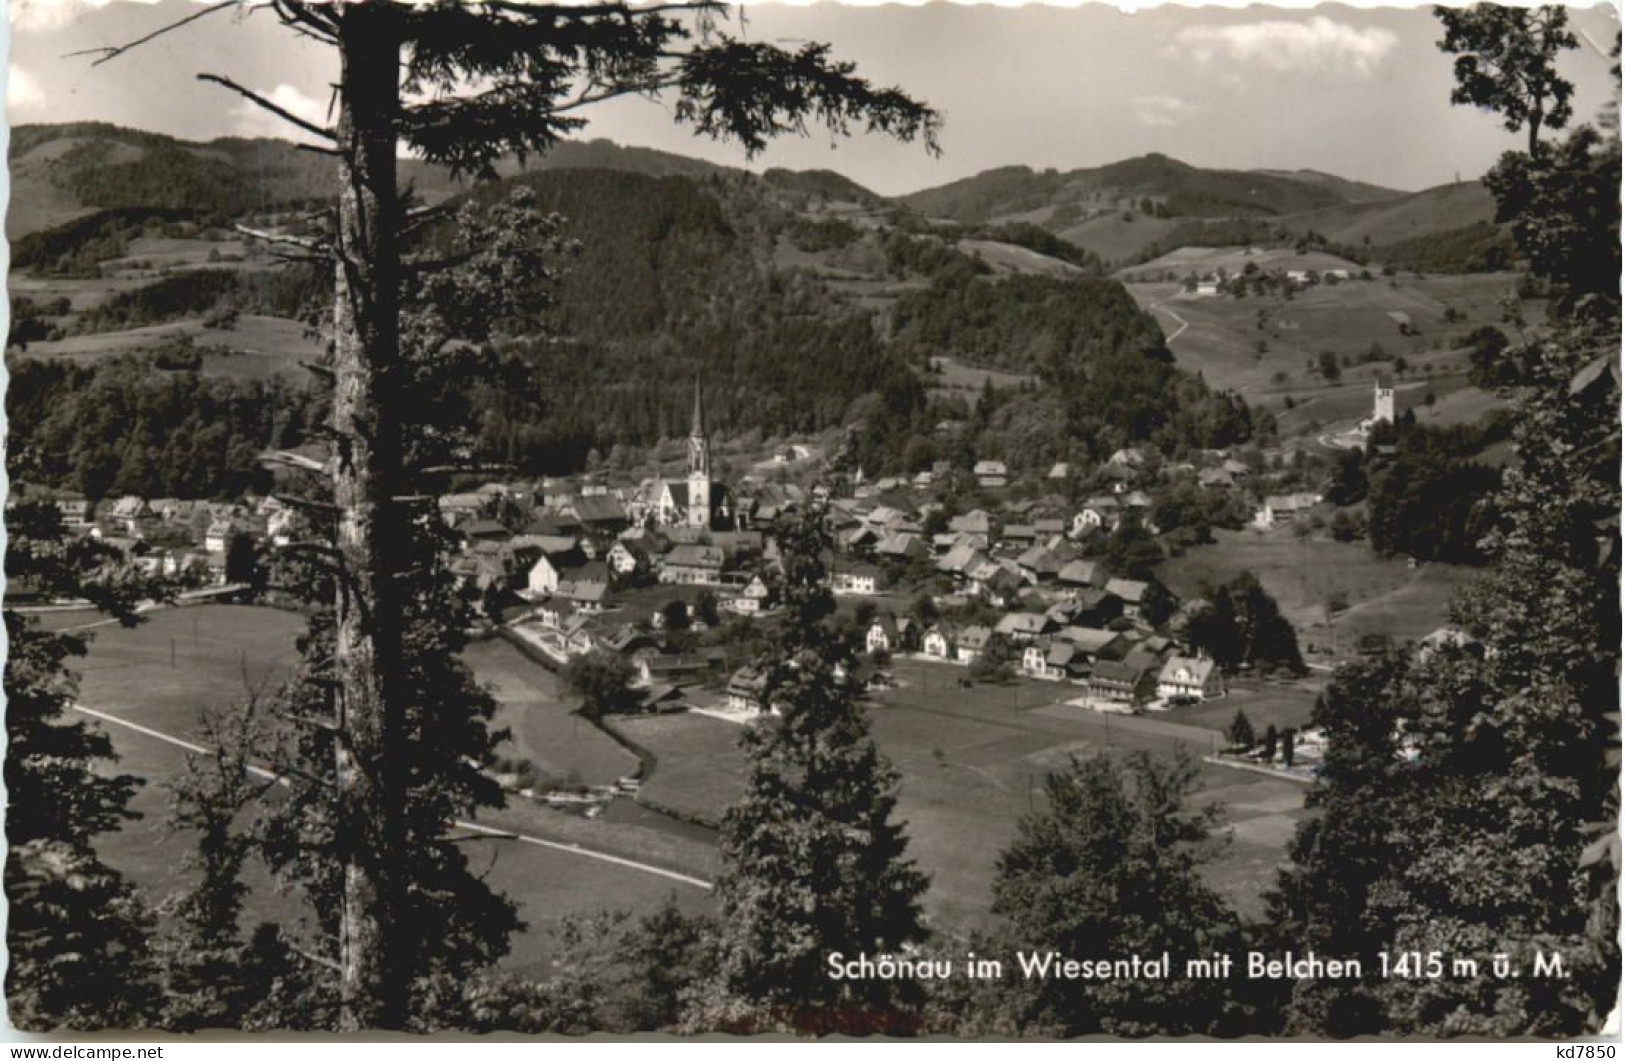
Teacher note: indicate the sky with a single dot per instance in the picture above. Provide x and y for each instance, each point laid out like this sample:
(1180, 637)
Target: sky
(1362, 93)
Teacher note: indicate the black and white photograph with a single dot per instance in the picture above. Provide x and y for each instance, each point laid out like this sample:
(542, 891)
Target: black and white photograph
(528, 521)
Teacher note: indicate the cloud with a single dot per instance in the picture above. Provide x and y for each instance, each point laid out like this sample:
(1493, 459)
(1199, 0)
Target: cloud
(32, 15)
(250, 119)
(1163, 110)
(23, 92)
(1318, 45)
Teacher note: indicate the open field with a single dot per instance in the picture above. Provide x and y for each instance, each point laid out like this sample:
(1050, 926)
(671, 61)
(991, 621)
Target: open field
(258, 346)
(536, 708)
(1385, 596)
(1223, 334)
(220, 651)
(966, 381)
(1006, 258)
(973, 761)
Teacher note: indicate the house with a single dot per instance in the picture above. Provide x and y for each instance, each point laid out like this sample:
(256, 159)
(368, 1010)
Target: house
(903, 547)
(1100, 511)
(218, 537)
(692, 565)
(747, 689)
(131, 515)
(939, 642)
(991, 475)
(1128, 458)
(1082, 573)
(890, 634)
(554, 557)
(600, 514)
(1133, 594)
(975, 521)
(1124, 683)
(971, 643)
(1022, 627)
(76, 513)
(1066, 660)
(628, 556)
(1034, 659)
(1093, 644)
(1059, 471)
(856, 580)
(457, 509)
(486, 530)
(1283, 508)
(1192, 676)
(1446, 639)
(1040, 564)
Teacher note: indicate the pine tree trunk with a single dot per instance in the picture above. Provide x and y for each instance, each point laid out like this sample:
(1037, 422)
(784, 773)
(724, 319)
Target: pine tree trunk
(366, 484)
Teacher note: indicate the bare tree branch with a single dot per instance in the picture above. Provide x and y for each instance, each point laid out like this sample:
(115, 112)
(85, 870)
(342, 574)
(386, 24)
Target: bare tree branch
(109, 53)
(261, 101)
(306, 242)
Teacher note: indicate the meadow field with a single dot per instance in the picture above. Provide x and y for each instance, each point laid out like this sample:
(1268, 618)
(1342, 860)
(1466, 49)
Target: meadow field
(974, 760)
(162, 674)
(1383, 596)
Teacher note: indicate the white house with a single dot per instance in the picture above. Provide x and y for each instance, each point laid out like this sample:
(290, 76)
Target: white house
(938, 643)
(856, 581)
(1193, 676)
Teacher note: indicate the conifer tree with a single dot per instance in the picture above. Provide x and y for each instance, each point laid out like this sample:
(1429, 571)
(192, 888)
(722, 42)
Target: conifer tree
(467, 85)
(814, 862)
(1110, 868)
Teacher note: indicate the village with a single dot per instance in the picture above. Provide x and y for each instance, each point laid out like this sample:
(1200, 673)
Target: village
(672, 574)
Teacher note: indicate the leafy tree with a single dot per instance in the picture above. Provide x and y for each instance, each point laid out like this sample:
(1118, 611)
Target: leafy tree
(603, 680)
(813, 861)
(1244, 626)
(1112, 867)
(1506, 62)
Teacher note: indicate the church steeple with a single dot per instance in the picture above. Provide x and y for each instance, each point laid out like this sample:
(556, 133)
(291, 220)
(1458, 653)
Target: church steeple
(699, 466)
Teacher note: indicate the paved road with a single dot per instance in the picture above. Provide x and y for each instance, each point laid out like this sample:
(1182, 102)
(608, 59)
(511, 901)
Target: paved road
(473, 827)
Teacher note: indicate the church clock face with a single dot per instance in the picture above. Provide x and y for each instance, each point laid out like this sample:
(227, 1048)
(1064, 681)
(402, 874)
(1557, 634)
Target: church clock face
(698, 460)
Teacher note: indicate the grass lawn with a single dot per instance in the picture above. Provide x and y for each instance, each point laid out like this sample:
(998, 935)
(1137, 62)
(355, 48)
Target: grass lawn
(220, 651)
(699, 769)
(1222, 339)
(1385, 596)
(1266, 704)
(536, 708)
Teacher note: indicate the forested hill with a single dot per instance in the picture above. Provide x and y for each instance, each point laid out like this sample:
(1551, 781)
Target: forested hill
(61, 172)
(802, 302)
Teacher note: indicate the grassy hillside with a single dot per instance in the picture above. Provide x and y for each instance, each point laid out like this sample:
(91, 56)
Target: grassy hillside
(1440, 209)
(1182, 190)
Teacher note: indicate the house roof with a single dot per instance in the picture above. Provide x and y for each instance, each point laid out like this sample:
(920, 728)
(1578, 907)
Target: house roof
(695, 556)
(1186, 670)
(1129, 590)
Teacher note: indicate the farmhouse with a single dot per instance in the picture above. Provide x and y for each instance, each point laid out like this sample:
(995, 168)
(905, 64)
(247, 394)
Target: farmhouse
(692, 565)
(1124, 683)
(991, 474)
(1192, 676)
(971, 643)
(856, 580)
(1283, 508)
(746, 691)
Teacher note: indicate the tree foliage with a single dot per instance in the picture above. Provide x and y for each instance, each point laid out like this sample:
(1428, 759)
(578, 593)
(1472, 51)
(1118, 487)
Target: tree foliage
(814, 862)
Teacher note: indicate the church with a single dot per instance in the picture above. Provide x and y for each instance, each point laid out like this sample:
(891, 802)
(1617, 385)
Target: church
(698, 501)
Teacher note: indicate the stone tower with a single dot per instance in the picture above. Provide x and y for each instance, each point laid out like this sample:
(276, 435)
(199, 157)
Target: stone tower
(699, 467)
(1382, 404)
